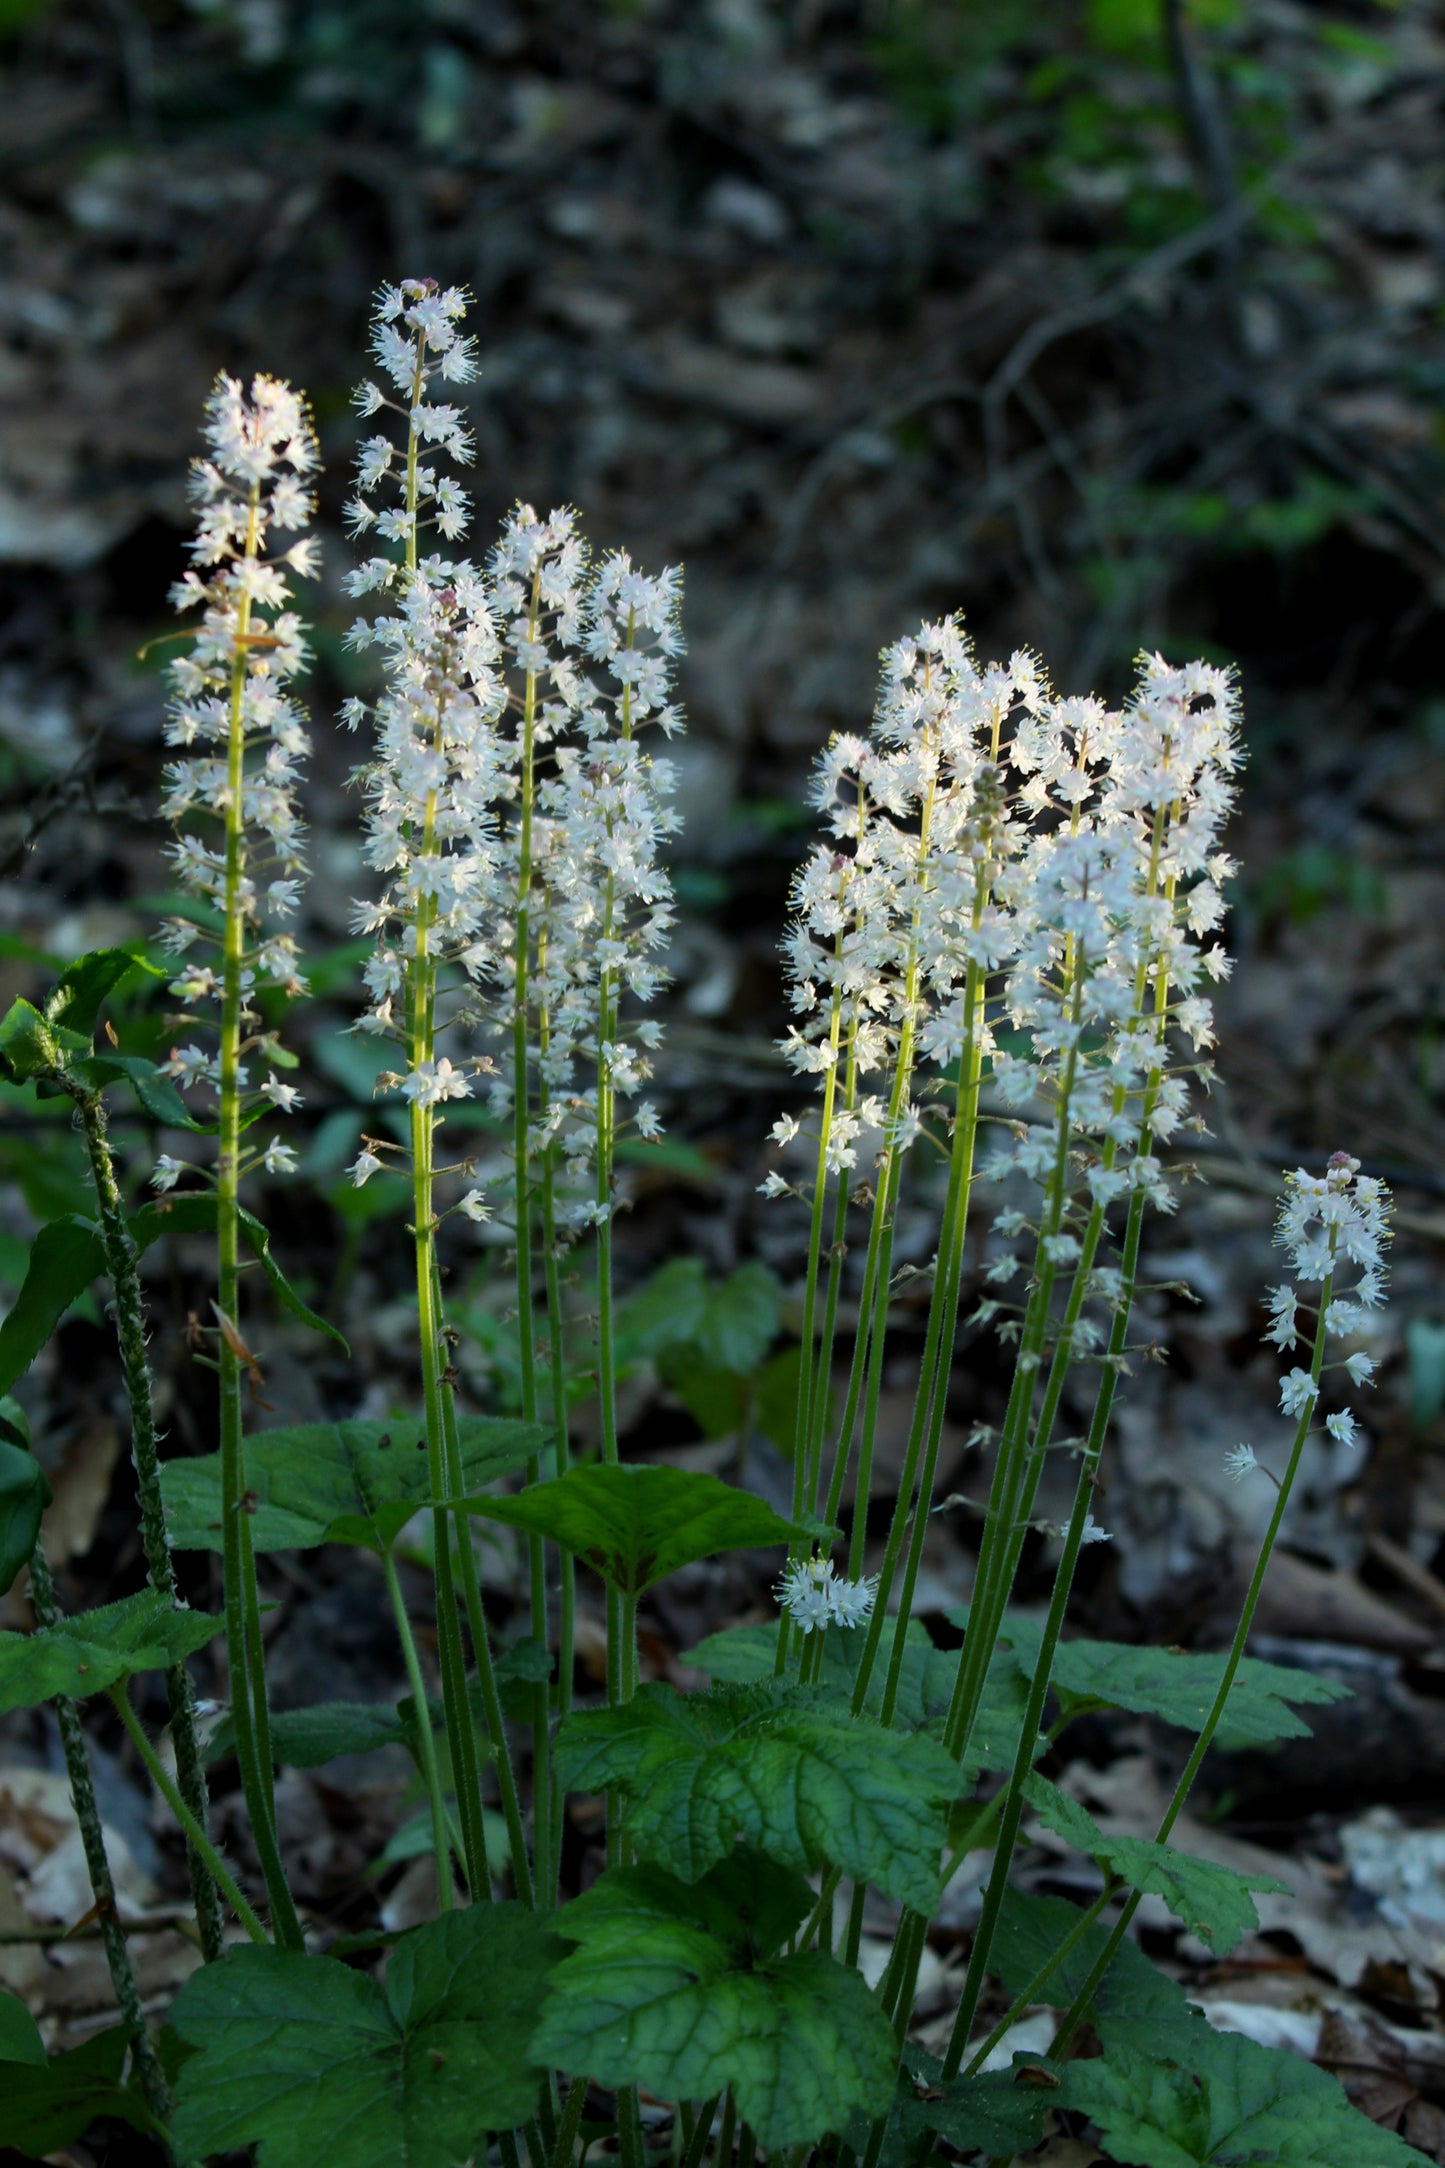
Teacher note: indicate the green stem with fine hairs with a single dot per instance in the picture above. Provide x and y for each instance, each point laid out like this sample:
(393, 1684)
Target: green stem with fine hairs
(97, 1862)
(130, 1327)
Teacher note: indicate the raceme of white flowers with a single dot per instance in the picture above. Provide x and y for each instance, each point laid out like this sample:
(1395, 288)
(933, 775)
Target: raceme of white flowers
(1334, 1228)
(241, 734)
(510, 802)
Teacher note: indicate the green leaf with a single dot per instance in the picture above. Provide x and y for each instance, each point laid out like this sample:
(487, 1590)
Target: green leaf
(77, 996)
(24, 1495)
(84, 1654)
(50, 2103)
(312, 2062)
(1185, 2096)
(779, 1767)
(682, 1988)
(306, 1738)
(64, 1258)
(68, 1254)
(357, 1482)
(156, 1093)
(635, 1523)
(1177, 1686)
(260, 1241)
(925, 1683)
(20, 2040)
(740, 1321)
(1213, 1902)
(664, 1313)
(1030, 1931)
(991, 2114)
(526, 1663)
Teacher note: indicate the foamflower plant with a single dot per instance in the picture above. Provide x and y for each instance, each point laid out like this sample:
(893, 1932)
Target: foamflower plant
(650, 1869)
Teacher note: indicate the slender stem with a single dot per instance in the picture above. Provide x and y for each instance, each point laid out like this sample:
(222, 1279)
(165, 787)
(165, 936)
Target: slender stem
(426, 1741)
(1074, 2016)
(569, 2124)
(244, 1650)
(449, 1640)
(482, 1656)
(130, 1325)
(701, 2132)
(161, 1778)
(97, 1862)
(561, 1449)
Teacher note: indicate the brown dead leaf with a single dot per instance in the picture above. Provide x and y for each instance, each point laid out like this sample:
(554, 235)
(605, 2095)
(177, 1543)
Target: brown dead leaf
(82, 1485)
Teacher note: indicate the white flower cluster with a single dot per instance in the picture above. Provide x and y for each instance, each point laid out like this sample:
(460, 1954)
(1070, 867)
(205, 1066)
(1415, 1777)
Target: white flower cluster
(814, 1595)
(1059, 856)
(231, 704)
(510, 800)
(1328, 1224)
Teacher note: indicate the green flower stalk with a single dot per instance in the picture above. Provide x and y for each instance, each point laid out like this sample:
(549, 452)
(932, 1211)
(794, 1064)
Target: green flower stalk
(231, 696)
(432, 791)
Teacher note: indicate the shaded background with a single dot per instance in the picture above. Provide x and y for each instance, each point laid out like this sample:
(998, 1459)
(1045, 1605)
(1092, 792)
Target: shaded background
(1113, 326)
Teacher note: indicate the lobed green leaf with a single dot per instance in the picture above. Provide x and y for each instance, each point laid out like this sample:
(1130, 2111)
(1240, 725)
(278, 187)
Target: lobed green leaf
(781, 1768)
(683, 1988)
(635, 1523)
(51, 2101)
(1174, 1684)
(355, 1482)
(93, 1650)
(310, 2061)
(1185, 2096)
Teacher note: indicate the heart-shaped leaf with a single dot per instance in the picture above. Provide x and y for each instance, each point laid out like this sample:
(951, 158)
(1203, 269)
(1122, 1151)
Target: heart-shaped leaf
(635, 1523)
(84, 1654)
(357, 1482)
(780, 1767)
(682, 1988)
(24, 1495)
(313, 2062)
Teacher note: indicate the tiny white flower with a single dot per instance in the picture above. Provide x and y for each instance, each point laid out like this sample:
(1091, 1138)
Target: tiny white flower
(279, 1158)
(1297, 1392)
(1343, 1427)
(363, 1167)
(784, 1129)
(1240, 1462)
(284, 1096)
(775, 1186)
(168, 1172)
(1093, 1533)
(431, 1082)
(475, 1206)
(1361, 1369)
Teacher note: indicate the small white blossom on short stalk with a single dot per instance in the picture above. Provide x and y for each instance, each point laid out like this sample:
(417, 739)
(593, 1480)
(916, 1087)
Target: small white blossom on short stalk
(1240, 1461)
